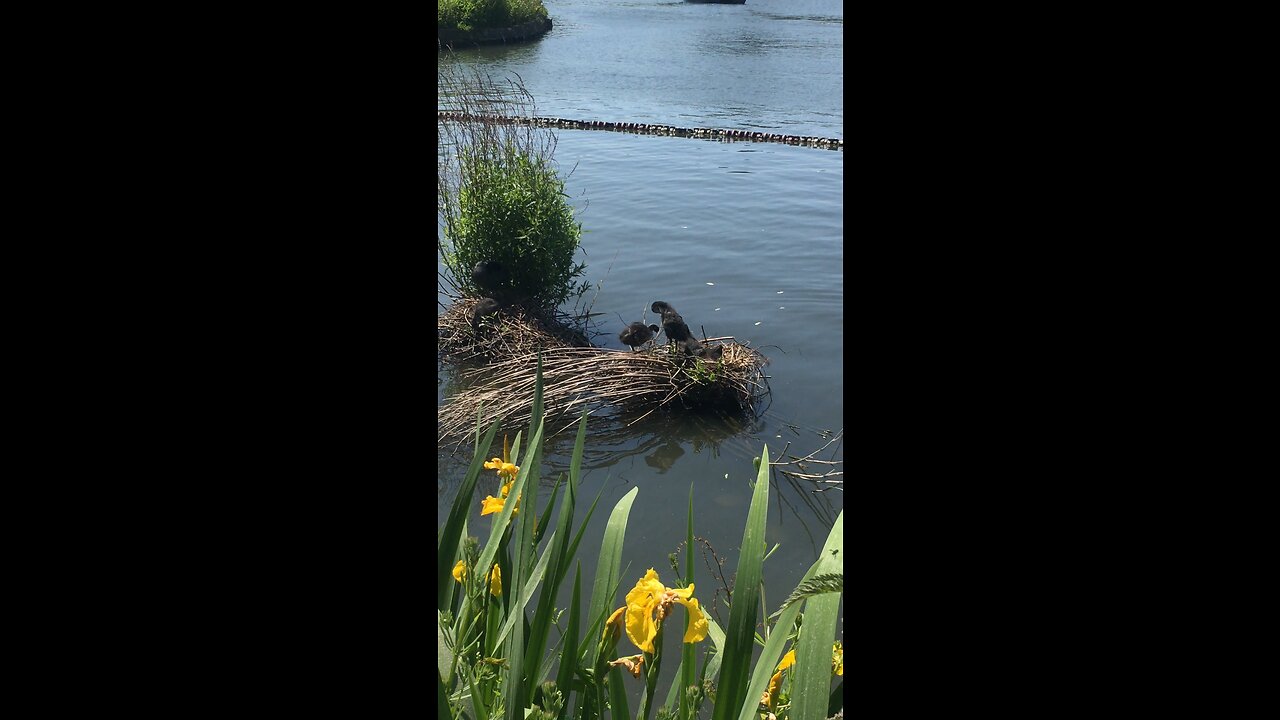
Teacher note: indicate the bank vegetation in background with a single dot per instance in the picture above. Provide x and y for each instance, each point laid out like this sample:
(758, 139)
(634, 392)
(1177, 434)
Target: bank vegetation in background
(483, 14)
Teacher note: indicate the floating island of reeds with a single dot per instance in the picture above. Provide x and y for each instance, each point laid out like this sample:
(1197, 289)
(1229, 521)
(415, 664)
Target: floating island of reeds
(497, 364)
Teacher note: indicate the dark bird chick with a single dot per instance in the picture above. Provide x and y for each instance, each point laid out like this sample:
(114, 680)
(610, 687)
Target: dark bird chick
(672, 324)
(695, 347)
(483, 309)
(637, 334)
(662, 308)
(488, 275)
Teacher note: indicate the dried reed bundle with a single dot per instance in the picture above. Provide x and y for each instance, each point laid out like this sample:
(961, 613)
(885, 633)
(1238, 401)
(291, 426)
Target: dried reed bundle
(514, 331)
(611, 384)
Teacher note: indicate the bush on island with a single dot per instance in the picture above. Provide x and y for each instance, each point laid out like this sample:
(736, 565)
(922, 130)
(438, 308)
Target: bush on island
(481, 14)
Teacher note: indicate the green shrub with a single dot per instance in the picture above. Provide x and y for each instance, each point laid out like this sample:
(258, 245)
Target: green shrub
(512, 208)
(523, 11)
(499, 195)
(476, 14)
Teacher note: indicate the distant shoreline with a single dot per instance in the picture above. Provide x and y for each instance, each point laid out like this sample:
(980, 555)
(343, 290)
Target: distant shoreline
(454, 38)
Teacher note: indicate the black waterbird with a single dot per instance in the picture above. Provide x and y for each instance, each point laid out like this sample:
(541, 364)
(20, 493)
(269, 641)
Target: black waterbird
(489, 275)
(672, 324)
(637, 334)
(483, 309)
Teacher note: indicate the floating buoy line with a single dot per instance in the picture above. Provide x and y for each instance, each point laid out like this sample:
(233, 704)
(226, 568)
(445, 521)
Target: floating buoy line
(719, 134)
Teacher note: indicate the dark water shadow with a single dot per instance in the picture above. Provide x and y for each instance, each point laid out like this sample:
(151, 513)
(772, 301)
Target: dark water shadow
(745, 43)
(659, 437)
(828, 19)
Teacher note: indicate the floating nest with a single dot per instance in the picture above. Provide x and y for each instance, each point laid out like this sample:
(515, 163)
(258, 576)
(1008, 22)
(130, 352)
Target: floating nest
(618, 387)
(514, 331)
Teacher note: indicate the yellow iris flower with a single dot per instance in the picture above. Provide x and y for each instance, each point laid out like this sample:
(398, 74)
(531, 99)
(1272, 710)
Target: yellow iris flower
(651, 598)
(837, 659)
(769, 698)
(787, 660)
(492, 504)
(505, 469)
(495, 576)
(507, 472)
(613, 626)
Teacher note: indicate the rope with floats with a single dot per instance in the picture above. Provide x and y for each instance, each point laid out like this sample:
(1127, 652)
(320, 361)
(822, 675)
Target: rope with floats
(719, 134)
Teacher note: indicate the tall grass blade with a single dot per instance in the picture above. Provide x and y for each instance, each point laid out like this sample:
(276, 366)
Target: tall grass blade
(529, 500)
(825, 583)
(451, 535)
(444, 656)
(515, 699)
(604, 589)
(545, 519)
(556, 549)
(526, 593)
(773, 648)
(688, 673)
(652, 671)
(577, 538)
(502, 518)
(734, 671)
(540, 627)
(513, 450)
(619, 709)
(575, 479)
(568, 654)
(596, 628)
(442, 699)
(812, 683)
(710, 668)
(477, 702)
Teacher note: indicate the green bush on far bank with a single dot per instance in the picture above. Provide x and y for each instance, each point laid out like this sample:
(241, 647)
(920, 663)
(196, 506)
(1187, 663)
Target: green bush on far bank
(478, 14)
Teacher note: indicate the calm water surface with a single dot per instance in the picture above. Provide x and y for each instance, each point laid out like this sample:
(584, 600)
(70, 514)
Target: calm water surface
(744, 239)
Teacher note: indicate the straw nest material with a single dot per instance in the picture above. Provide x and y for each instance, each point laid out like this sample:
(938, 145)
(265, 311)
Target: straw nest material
(513, 331)
(621, 387)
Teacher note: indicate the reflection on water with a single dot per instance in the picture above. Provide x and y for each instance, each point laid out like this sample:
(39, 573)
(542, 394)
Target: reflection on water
(663, 444)
(664, 457)
(657, 436)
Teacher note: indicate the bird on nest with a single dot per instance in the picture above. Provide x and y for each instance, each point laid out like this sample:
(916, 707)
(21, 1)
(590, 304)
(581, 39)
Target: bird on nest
(488, 275)
(485, 308)
(672, 324)
(677, 331)
(637, 334)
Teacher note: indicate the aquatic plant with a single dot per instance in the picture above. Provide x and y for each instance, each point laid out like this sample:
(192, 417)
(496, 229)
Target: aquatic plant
(494, 659)
(501, 197)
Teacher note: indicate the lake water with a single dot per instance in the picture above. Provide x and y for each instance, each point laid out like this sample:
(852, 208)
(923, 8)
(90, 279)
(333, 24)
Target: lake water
(744, 239)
